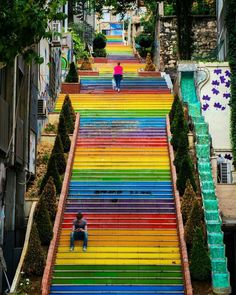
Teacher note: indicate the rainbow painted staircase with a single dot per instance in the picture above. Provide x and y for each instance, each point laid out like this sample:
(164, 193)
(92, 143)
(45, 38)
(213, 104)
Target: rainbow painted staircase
(121, 181)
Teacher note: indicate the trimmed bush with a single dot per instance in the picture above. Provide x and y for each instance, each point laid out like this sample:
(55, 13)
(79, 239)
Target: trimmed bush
(62, 131)
(176, 103)
(72, 112)
(185, 172)
(58, 154)
(50, 198)
(43, 222)
(179, 112)
(182, 150)
(200, 264)
(100, 41)
(99, 52)
(72, 76)
(66, 112)
(149, 64)
(53, 172)
(187, 202)
(35, 259)
(194, 221)
(144, 40)
(179, 127)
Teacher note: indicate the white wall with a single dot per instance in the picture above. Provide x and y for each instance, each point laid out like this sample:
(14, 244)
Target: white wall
(215, 97)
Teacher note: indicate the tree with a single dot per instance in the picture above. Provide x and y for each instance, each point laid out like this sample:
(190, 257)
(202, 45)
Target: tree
(179, 126)
(51, 171)
(18, 33)
(185, 172)
(62, 131)
(58, 154)
(72, 112)
(43, 222)
(200, 263)
(176, 104)
(183, 10)
(72, 76)
(50, 198)
(100, 41)
(179, 112)
(194, 221)
(65, 110)
(182, 149)
(187, 201)
(35, 260)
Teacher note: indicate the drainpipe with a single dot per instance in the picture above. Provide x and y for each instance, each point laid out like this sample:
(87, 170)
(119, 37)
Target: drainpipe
(14, 114)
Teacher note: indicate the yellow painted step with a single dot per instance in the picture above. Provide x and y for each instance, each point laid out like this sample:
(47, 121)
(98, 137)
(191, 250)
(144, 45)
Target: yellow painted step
(83, 261)
(129, 232)
(124, 249)
(114, 243)
(121, 166)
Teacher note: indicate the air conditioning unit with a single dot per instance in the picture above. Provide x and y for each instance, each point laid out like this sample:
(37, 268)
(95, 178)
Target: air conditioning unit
(225, 173)
(42, 108)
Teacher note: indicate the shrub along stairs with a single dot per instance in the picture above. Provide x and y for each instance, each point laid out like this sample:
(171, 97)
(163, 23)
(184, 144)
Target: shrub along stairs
(121, 181)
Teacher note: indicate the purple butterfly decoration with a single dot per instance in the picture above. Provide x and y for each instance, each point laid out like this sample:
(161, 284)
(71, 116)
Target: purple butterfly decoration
(217, 105)
(205, 106)
(222, 79)
(206, 97)
(215, 82)
(226, 95)
(215, 91)
(228, 157)
(227, 73)
(227, 84)
(217, 71)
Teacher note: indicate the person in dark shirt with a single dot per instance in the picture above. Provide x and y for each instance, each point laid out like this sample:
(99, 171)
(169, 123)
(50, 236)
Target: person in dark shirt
(79, 232)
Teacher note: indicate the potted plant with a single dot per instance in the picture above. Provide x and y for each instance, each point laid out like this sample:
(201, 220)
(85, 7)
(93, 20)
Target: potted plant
(86, 68)
(150, 68)
(71, 84)
(99, 51)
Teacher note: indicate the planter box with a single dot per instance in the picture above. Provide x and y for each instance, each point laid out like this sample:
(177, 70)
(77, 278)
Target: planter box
(149, 73)
(100, 60)
(70, 88)
(88, 73)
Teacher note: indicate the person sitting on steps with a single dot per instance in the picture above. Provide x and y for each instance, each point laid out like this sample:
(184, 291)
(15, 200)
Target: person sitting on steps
(79, 232)
(118, 75)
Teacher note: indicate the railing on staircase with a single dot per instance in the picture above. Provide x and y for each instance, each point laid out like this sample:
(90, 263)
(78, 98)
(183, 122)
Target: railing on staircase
(220, 274)
(59, 217)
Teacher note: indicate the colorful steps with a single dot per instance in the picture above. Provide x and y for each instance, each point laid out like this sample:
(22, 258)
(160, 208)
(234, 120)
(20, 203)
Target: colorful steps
(121, 182)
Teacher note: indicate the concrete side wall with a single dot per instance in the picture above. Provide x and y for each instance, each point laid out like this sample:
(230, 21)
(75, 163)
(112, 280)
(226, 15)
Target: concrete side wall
(215, 97)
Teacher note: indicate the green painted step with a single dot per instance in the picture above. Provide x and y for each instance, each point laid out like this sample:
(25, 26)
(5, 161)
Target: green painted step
(120, 175)
(126, 274)
(120, 267)
(119, 281)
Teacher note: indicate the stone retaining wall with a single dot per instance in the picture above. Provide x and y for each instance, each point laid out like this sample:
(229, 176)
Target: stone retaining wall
(205, 39)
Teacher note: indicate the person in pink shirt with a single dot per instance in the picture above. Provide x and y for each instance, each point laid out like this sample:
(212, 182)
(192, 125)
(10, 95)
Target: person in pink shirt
(118, 75)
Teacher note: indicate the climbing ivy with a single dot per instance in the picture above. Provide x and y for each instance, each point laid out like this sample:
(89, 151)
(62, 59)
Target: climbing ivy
(230, 21)
(24, 23)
